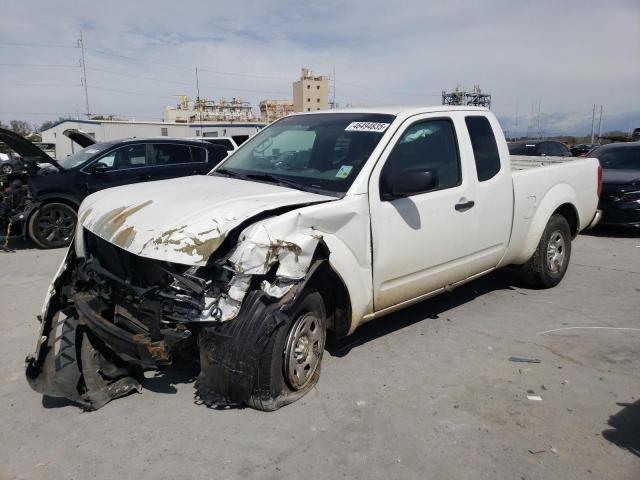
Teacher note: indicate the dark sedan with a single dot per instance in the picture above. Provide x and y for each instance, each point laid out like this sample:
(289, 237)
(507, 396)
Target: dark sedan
(620, 199)
(43, 203)
(539, 148)
(583, 148)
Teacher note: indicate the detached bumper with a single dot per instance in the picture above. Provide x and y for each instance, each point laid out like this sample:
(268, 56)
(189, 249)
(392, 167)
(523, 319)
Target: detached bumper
(133, 348)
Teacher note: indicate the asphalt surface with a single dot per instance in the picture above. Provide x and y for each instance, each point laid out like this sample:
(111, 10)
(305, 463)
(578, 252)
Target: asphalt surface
(429, 392)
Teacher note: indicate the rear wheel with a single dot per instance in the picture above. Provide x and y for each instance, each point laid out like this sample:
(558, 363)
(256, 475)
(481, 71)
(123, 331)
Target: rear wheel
(548, 265)
(52, 225)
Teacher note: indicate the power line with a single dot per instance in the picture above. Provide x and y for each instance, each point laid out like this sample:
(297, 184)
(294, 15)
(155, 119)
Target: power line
(183, 67)
(38, 65)
(36, 45)
(40, 84)
(131, 93)
(174, 82)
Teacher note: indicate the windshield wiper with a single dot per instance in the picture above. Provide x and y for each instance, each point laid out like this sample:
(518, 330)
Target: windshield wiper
(265, 177)
(230, 173)
(282, 181)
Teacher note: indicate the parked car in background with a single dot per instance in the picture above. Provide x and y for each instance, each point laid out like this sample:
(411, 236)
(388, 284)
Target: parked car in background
(51, 193)
(582, 149)
(230, 143)
(10, 163)
(636, 134)
(620, 199)
(540, 148)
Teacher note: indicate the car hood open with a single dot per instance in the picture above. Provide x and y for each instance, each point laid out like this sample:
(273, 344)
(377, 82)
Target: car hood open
(183, 220)
(26, 149)
(78, 136)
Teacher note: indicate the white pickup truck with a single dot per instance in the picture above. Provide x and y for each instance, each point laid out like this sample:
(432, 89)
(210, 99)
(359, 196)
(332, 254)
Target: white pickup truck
(322, 221)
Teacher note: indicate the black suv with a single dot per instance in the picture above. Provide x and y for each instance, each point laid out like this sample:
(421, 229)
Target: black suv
(540, 148)
(42, 200)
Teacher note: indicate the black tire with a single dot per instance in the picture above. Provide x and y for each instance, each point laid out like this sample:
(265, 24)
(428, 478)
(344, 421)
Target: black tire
(244, 361)
(549, 263)
(52, 225)
(7, 169)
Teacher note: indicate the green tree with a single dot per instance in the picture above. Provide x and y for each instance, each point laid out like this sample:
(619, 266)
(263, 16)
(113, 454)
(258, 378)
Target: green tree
(20, 127)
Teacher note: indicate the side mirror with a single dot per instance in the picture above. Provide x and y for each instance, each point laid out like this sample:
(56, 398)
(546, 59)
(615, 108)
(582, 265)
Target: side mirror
(99, 168)
(412, 181)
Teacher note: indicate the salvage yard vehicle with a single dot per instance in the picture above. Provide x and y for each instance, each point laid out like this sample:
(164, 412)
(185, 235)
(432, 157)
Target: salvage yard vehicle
(321, 221)
(51, 191)
(540, 148)
(620, 199)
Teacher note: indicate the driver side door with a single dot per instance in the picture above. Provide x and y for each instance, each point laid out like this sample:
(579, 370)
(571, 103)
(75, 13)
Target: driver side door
(421, 242)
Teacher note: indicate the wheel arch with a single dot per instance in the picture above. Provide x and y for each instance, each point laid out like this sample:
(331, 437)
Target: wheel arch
(334, 291)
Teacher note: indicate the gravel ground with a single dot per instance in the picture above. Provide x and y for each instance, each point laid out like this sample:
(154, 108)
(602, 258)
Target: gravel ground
(428, 392)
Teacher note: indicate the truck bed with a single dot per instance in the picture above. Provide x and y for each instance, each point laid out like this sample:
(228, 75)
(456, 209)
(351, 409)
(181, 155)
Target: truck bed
(524, 162)
(540, 183)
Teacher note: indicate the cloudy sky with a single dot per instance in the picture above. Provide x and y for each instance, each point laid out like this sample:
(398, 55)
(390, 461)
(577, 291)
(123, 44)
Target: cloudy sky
(566, 55)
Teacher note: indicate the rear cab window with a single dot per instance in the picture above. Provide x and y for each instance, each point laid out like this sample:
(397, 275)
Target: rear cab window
(485, 148)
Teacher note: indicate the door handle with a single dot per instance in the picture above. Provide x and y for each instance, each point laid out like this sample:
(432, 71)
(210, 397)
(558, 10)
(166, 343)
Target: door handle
(464, 205)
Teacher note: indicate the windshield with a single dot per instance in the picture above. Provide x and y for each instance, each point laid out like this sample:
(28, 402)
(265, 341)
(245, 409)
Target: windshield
(622, 158)
(314, 152)
(83, 155)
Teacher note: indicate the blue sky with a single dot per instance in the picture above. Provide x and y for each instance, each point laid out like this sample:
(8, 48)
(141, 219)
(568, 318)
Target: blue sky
(567, 55)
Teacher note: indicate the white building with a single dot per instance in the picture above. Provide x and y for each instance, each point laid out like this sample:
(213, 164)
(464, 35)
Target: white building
(103, 130)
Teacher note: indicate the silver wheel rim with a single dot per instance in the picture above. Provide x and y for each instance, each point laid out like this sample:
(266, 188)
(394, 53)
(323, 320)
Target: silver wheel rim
(7, 169)
(556, 249)
(303, 350)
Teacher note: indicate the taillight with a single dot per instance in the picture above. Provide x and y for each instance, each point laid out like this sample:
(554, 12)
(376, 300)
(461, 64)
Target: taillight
(599, 180)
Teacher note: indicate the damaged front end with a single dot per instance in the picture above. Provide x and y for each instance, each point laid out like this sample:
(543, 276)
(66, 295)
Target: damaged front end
(110, 315)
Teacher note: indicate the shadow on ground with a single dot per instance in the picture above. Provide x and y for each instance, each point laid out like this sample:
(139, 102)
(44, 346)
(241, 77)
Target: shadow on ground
(626, 427)
(14, 244)
(434, 308)
(165, 380)
(612, 232)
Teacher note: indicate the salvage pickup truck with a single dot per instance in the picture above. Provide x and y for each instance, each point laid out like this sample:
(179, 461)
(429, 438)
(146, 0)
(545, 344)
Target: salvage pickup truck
(322, 221)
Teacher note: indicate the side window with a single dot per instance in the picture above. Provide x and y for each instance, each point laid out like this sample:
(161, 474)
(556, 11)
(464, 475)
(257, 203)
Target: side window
(131, 156)
(198, 154)
(168, 154)
(485, 149)
(542, 148)
(427, 145)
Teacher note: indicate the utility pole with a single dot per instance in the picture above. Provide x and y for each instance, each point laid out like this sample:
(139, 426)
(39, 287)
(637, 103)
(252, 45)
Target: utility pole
(198, 97)
(84, 74)
(593, 122)
(600, 124)
(333, 100)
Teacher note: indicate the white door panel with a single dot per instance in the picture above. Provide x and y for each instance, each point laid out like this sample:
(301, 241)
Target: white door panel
(422, 242)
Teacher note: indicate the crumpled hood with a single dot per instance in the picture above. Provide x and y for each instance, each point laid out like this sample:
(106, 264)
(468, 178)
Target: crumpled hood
(182, 220)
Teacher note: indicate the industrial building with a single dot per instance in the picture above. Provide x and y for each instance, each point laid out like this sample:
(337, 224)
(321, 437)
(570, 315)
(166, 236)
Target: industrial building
(272, 110)
(205, 110)
(311, 92)
(103, 130)
(460, 96)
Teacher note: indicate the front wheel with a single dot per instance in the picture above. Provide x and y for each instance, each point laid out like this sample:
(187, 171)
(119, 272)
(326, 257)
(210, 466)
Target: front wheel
(267, 357)
(549, 263)
(7, 168)
(52, 225)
